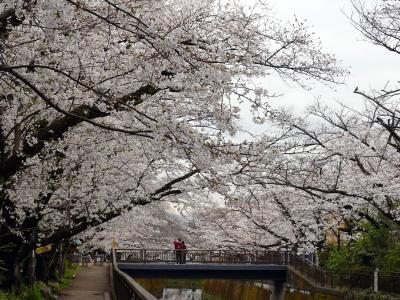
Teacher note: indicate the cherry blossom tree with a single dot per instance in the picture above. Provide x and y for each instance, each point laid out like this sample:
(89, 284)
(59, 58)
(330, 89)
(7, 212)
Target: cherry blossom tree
(378, 21)
(106, 105)
(344, 169)
(326, 168)
(313, 173)
(153, 226)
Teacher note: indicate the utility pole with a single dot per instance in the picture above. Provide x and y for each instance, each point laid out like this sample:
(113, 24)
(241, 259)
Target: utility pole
(376, 279)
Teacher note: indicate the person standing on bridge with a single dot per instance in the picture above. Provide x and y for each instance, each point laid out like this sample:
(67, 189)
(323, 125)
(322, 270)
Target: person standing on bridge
(178, 247)
(183, 252)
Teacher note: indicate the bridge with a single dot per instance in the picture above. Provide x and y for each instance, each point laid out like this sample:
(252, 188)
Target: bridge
(282, 269)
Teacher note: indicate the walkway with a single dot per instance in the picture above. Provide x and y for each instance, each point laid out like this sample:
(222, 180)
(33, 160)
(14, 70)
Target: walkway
(91, 283)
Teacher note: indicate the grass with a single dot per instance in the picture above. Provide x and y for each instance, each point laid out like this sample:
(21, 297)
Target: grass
(31, 293)
(34, 292)
(368, 295)
(65, 280)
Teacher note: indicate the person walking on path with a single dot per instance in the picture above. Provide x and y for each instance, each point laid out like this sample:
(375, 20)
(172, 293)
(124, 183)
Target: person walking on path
(183, 252)
(178, 247)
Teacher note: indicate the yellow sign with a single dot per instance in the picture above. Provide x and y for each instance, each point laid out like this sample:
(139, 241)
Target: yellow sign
(43, 249)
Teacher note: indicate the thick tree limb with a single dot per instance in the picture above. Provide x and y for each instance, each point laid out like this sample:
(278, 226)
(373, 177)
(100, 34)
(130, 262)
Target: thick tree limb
(84, 223)
(55, 130)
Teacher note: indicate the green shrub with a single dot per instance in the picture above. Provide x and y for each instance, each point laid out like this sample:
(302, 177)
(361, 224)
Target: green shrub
(69, 275)
(368, 295)
(34, 293)
(373, 247)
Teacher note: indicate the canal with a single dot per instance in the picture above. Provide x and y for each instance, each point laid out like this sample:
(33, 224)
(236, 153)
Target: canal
(213, 289)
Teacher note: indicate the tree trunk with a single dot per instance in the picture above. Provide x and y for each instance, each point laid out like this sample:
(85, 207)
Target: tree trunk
(17, 276)
(45, 265)
(12, 253)
(61, 259)
(55, 266)
(30, 269)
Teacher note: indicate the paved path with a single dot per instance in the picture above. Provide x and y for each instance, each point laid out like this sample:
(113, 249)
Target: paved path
(91, 283)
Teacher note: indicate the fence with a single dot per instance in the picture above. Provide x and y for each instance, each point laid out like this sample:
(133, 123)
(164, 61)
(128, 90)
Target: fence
(388, 282)
(315, 275)
(201, 256)
(99, 259)
(75, 258)
(125, 288)
(298, 266)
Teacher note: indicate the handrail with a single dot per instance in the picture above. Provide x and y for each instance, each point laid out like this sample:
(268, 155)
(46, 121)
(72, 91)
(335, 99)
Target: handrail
(201, 256)
(125, 287)
(315, 275)
(296, 264)
(299, 268)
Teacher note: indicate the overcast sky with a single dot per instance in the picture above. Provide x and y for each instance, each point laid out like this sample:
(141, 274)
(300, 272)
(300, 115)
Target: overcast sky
(370, 66)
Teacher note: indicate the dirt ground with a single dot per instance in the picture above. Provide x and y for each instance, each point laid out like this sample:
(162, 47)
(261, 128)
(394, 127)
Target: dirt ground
(91, 283)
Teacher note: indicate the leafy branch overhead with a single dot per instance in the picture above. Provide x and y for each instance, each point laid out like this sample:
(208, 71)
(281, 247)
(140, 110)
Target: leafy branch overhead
(106, 106)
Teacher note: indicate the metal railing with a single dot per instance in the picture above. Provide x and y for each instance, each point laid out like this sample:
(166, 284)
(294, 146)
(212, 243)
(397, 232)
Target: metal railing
(304, 268)
(300, 269)
(99, 260)
(388, 282)
(314, 274)
(125, 288)
(201, 256)
(75, 258)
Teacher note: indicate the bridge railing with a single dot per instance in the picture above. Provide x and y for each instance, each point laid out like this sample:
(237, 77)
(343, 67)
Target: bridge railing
(125, 288)
(314, 274)
(202, 256)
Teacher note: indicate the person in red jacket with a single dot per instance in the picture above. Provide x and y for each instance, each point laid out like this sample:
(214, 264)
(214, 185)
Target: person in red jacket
(178, 247)
(183, 252)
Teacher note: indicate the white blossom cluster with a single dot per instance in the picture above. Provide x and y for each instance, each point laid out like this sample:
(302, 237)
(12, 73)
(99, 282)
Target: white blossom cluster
(109, 105)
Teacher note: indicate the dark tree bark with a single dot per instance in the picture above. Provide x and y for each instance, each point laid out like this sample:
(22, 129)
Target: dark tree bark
(30, 269)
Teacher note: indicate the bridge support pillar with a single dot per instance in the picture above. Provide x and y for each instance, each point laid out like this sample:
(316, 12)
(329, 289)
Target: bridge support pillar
(278, 290)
